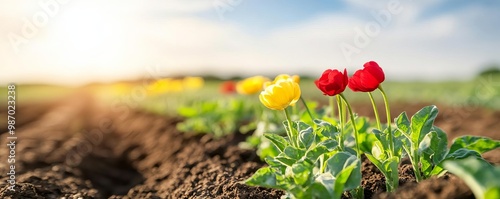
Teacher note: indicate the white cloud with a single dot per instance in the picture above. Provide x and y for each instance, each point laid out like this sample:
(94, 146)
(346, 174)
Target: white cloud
(180, 42)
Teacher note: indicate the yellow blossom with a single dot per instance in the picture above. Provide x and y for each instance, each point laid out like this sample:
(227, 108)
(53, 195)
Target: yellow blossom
(295, 78)
(251, 85)
(176, 85)
(166, 85)
(281, 94)
(193, 83)
(121, 88)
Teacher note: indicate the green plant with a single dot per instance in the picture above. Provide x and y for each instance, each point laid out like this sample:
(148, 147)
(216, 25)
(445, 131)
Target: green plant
(310, 164)
(269, 122)
(426, 144)
(384, 149)
(322, 159)
(478, 174)
(218, 117)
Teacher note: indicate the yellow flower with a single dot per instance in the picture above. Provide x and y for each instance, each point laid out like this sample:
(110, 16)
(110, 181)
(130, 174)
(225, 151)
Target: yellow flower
(193, 83)
(165, 85)
(121, 88)
(295, 78)
(251, 85)
(176, 85)
(159, 87)
(278, 96)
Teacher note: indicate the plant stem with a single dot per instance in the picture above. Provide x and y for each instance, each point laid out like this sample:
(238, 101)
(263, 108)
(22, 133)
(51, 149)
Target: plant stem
(332, 106)
(353, 125)
(375, 110)
(322, 164)
(342, 122)
(307, 108)
(290, 134)
(358, 191)
(388, 113)
(414, 163)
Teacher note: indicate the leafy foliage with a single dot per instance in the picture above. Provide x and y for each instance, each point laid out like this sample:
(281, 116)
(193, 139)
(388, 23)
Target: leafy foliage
(216, 117)
(309, 164)
(426, 144)
(478, 174)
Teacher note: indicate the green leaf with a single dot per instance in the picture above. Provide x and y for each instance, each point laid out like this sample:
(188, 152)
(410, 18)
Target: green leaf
(476, 143)
(422, 122)
(378, 151)
(403, 124)
(326, 129)
(388, 167)
(391, 168)
(306, 137)
(188, 112)
(302, 171)
(478, 174)
(283, 159)
(293, 153)
(314, 153)
(296, 128)
(273, 162)
(400, 142)
(433, 149)
(319, 188)
(264, 177)
(267, 150)
(366, 141)
(300, 126)
(330, 144)
(342, 160)
(278, 141)
(438, 170)
(375, 161)
(493, 192)
(456, 155)
(328, 182)
(434, 146)
(207, 107)
(439, 145)
(345, 179)
(254, 141)
(382, 138)
(361, 126)
(462, 153)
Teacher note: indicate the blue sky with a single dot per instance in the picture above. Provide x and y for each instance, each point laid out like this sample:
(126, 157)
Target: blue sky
(82, 41)
(261, 15)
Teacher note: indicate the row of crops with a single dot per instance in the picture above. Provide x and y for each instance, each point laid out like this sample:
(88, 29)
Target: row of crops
(314, 147)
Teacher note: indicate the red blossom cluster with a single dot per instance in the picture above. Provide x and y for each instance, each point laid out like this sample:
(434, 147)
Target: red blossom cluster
(333, 82)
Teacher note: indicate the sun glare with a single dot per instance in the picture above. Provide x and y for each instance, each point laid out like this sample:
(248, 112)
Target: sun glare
(88, 36)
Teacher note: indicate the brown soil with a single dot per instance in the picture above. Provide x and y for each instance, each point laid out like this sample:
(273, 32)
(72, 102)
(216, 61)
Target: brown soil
(77, 148)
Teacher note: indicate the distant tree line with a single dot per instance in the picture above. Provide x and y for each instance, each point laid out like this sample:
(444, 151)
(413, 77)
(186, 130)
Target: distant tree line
(491, 69)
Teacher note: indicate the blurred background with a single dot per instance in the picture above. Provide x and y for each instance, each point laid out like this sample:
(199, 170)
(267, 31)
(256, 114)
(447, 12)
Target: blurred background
(75, 42)
(429, 50)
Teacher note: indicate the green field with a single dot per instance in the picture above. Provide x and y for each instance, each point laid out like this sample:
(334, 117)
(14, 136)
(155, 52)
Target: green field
(482, 91)
(35, 93)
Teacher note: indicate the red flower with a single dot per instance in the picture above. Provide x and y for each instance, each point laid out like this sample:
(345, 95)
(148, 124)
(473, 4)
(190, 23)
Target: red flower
(367, 79)
(228, 87)
(332, 82)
